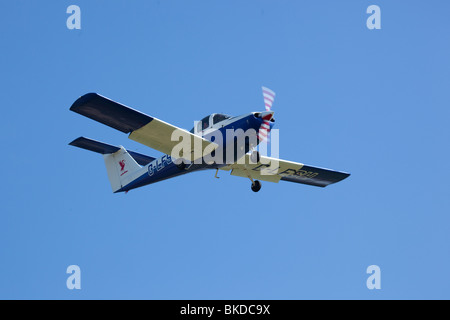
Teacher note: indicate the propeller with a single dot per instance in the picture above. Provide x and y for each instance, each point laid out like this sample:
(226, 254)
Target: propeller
(269, 97)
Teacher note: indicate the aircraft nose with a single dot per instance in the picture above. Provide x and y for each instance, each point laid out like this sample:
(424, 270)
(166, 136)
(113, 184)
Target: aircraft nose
(266, 115)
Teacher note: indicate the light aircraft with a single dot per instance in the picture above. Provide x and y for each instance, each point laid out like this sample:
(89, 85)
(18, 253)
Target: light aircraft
(236, 153)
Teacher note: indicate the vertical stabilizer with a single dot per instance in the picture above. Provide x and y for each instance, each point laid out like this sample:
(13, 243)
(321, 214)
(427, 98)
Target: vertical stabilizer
(121, 168)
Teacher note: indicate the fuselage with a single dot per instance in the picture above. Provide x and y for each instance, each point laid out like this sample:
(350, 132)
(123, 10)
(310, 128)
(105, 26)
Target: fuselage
(228, 134)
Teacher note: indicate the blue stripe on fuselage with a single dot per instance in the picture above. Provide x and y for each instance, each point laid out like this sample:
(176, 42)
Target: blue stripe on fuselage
(157, 170)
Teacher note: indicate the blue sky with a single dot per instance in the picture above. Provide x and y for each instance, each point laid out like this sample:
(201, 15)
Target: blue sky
(374, 103)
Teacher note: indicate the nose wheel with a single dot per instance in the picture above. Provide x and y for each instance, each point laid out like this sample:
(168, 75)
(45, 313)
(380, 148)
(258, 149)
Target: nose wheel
(256, 186)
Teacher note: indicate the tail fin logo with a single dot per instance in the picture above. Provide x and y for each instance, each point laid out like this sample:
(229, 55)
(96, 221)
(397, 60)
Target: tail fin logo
(122, 167)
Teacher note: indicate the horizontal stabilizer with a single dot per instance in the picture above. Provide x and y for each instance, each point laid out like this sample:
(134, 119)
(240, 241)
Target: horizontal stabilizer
(103, 148)
(110, 113)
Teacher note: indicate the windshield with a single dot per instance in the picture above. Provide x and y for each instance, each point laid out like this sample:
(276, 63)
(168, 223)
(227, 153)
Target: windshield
(204, 123)
(218, 117)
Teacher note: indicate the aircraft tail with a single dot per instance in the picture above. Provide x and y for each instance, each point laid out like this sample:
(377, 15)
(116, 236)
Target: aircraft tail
(121, 165)
(121, 168)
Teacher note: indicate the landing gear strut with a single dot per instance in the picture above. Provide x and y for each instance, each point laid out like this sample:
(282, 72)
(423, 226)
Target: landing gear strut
(255, 157)
(256, 186)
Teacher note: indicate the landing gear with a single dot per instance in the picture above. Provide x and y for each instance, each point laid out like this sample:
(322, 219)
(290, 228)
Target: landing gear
(255, 157)
(256, 186)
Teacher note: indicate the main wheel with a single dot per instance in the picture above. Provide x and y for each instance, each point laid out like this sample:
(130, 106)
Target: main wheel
(256, 186)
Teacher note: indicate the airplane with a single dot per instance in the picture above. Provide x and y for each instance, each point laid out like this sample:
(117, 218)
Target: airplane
(209, 137)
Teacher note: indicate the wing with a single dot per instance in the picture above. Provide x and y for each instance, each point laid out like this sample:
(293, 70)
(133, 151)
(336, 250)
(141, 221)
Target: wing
(274, 170)
(142, 128)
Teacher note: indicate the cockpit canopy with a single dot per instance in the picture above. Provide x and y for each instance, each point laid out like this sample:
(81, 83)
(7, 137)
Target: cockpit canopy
(209, 122)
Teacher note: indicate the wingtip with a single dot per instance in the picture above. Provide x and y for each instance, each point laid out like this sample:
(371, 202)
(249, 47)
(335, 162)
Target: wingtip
(83, 100)
(74, 142)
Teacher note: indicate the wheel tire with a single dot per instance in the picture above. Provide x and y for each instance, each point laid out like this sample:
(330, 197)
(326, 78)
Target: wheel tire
(255, 157)
(256, 186)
